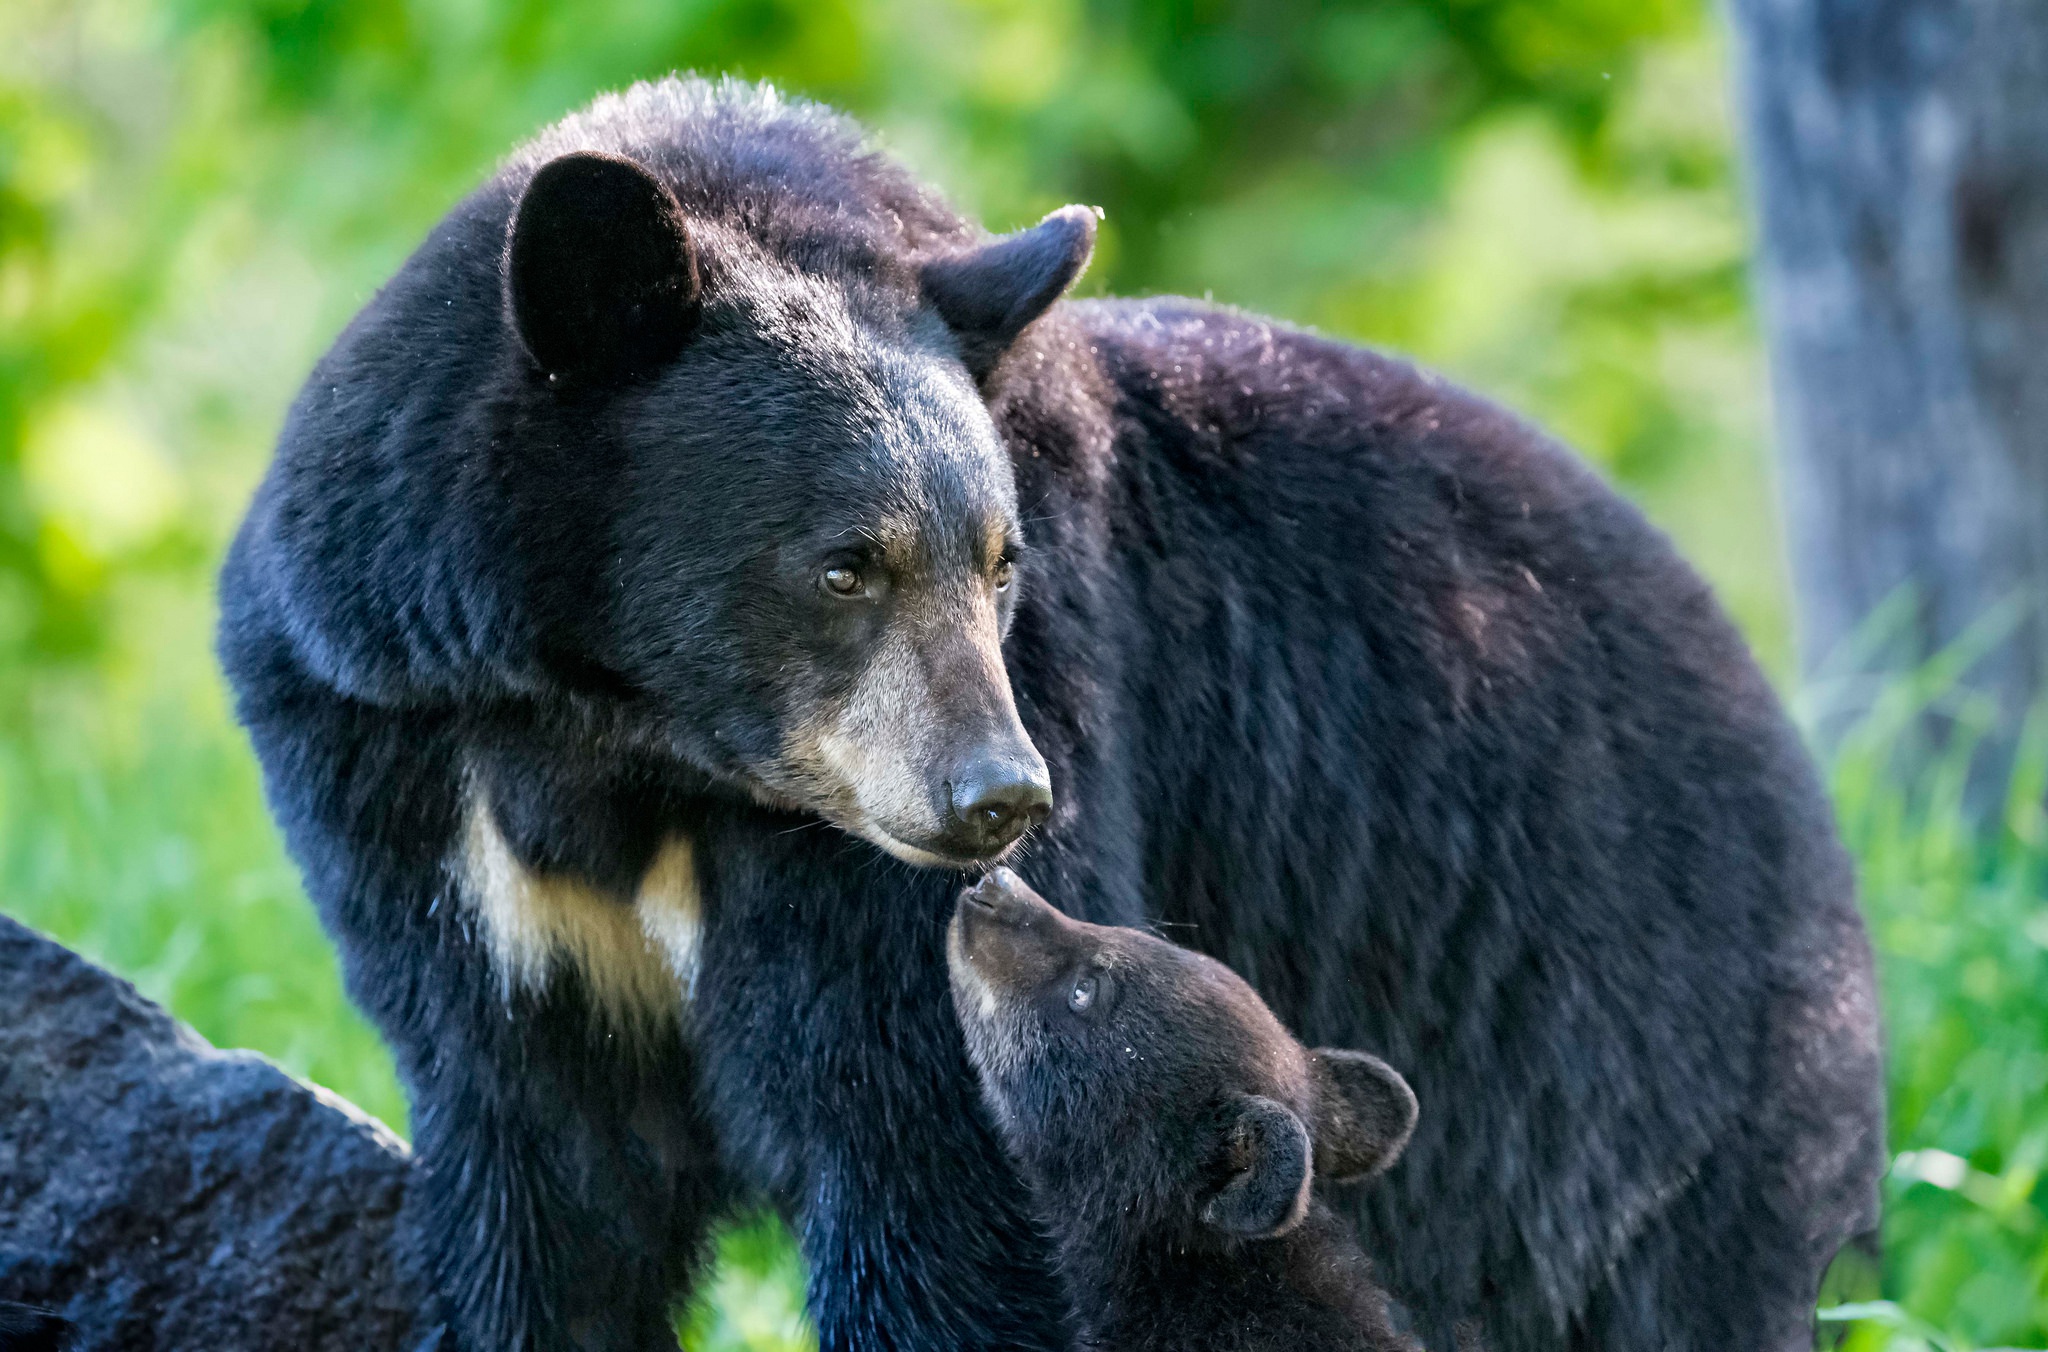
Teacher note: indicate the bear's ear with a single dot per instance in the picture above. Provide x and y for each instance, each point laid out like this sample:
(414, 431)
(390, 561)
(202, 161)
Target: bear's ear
(600, 275)
(987, 295)
(1268, 1150)
(1365, 1113)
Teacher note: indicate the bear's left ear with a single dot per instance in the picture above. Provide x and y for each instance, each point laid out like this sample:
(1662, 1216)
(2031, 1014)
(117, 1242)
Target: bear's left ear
(1268, 1150)
(987, 295)
(1365, 1113)
(600, 274)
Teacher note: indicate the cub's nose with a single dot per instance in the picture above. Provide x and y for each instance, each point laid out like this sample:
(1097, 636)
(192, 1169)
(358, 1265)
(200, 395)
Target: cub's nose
(999, 892)
(995, 801)
(1001, 902)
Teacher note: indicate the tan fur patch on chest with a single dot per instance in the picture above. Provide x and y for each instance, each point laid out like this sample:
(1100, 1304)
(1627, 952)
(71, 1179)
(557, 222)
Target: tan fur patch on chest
(638, 962)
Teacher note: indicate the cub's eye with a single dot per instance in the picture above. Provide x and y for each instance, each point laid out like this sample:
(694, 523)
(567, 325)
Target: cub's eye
(843, 581)
(1006, 572)
(1081, 998)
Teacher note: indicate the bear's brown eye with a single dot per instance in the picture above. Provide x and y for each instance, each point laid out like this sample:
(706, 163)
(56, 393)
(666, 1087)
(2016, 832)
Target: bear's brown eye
(843, 581)
(1005, 573)
(1081, 998)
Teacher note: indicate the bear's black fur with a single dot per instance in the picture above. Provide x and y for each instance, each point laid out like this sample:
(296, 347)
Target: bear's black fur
(28, 1328)
(1169, 1130)
(577, 603)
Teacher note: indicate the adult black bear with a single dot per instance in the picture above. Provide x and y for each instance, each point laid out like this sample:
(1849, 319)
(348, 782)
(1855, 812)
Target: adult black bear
(1169, 1130)
(27, 1328)
(704, 484)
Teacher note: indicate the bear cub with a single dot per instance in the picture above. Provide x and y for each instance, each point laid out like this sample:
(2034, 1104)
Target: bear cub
(1169, 1128)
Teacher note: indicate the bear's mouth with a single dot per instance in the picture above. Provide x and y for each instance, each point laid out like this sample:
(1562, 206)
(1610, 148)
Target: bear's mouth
(882, 799)
(856, 822)
(924, 858)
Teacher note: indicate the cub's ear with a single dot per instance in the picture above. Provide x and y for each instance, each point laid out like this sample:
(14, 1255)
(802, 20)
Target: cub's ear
(1268, 1150)
(1365, 1113)
(987, 295)
(600, 275)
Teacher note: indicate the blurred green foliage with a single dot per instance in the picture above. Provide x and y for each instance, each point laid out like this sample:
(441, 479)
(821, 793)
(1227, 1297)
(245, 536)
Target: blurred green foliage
(1533, 195)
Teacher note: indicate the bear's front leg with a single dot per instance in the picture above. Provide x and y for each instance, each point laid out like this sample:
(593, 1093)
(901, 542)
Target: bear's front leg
(568, 1177)
(563, 1189)
(565, 1177)
(836, 1076)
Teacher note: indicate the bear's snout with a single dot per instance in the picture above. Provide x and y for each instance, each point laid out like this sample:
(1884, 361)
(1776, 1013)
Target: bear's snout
(996, 799)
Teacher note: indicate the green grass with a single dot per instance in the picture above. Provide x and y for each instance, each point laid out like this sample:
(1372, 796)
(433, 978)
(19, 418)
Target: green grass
(1959, 917)
(132, 828)
(754, 1301)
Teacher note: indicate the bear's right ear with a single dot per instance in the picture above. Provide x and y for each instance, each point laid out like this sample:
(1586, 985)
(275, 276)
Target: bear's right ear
(987, 295)
(1365, 1113)
(1268, 1152)
(600, 274)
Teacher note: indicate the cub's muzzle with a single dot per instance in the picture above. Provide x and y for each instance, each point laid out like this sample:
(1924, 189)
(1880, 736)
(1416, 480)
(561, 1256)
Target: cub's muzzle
(1009, 939)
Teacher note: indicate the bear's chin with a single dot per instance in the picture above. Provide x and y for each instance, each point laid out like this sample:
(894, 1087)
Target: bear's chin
(913, 854)
(859, 824)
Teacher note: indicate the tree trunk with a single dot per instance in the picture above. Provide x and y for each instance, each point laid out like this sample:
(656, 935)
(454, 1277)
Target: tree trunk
(160, 1194)
(1899, 157)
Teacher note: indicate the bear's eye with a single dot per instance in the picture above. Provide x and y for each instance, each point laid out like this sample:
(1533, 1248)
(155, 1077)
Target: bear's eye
(1006, 572)
(844, 581)
(1081, 998)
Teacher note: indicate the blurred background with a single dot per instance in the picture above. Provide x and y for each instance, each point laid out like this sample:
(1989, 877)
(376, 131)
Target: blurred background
(1543, 198)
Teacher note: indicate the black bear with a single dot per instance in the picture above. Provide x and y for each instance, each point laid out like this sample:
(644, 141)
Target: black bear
(29, 1328)
(709, 542)
(1169, 1130)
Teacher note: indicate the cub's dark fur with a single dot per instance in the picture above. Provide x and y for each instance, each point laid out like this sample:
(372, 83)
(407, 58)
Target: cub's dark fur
(1169, 1130)
(708, 536)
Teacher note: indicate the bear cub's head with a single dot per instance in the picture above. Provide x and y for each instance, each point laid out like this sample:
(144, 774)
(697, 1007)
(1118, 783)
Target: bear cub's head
(1146, 1087)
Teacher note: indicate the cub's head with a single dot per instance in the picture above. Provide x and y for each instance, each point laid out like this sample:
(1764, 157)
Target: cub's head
(1148, 1084)
(682, 412)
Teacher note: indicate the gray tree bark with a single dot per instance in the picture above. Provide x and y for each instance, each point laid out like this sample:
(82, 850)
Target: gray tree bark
(1898, 152)
(163, 1195)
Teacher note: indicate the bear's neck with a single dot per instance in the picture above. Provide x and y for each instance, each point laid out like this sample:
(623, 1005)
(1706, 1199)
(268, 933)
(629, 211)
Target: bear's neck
(1308, 1291)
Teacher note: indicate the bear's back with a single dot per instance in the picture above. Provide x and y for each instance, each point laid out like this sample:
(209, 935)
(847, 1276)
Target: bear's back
(1413, 680)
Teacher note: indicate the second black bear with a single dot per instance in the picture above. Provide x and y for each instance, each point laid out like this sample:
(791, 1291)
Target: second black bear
(26, 1328)
(1169, 1129)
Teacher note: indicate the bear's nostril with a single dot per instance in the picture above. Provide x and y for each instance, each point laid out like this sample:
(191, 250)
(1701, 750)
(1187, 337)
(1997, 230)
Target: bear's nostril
(997, 802)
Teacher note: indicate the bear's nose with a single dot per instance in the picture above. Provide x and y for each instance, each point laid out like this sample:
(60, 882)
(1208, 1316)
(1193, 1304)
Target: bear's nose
(995, 801)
